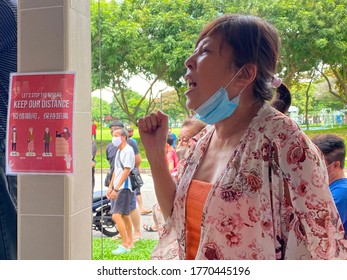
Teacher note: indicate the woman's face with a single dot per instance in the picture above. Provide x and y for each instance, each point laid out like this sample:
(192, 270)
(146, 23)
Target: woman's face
(208, 69)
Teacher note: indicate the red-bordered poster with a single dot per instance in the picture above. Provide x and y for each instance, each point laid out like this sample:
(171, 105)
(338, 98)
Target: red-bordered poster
(40, 126)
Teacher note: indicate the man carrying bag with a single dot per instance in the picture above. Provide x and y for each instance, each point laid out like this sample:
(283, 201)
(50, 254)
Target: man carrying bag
(120, 192)
(135, 178)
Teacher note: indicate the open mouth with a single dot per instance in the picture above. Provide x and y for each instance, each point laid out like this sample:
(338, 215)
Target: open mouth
(191, 85)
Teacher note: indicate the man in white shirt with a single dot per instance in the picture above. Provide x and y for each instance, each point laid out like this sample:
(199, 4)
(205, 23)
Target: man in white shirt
(120, 192)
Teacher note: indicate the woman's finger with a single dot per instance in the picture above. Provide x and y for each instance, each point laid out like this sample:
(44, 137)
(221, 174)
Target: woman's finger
(163, 120)
(149, 123)
(141, 124)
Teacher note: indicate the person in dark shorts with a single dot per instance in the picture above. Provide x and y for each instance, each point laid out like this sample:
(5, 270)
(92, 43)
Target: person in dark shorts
(111, 151)
(120, 191)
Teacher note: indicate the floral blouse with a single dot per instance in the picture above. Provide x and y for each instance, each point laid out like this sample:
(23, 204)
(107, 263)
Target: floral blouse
(272, 200)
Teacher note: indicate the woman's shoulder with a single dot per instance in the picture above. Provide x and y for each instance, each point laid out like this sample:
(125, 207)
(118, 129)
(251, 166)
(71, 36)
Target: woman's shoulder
(286, 135)
(278, 129)
(271, 121)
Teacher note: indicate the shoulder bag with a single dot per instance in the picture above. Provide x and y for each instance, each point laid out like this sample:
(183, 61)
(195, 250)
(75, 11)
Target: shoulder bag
(135, 177)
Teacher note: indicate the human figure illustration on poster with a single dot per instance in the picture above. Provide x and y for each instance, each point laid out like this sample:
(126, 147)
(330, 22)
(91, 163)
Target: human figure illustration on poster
(66, 134)
(14, 141)
(31, 146)
(47, 140)
(68, 159)
(62, 146)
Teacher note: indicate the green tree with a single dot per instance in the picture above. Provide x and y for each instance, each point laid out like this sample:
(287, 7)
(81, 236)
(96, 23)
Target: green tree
(313, 37)
(154, 38)
(333, 47)
(167, 102)
(300, 95)
(98, 103)
(323, 98)
(148, 38)
(131, 99)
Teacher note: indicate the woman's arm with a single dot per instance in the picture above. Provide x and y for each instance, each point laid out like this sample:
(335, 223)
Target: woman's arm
(153, 132)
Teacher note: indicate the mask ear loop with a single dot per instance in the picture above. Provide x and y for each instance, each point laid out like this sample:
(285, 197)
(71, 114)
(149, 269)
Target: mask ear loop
(233, 78)
(329, 174)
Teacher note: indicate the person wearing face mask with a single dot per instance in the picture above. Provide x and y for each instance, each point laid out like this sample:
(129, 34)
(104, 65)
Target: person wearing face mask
(334, 151)
(253, 186)
(139, 199)
(120, 192)
(111, 151)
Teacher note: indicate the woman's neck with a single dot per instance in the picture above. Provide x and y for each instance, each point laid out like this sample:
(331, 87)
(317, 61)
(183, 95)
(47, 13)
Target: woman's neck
(239, 121)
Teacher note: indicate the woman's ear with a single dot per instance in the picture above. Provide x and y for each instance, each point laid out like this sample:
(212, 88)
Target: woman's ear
(248, 74)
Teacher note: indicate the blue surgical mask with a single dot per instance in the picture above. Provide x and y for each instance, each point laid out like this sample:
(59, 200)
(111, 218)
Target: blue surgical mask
(218, 107)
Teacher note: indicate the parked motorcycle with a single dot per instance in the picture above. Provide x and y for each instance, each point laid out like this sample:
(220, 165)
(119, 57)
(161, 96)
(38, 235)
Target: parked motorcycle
(102, 218)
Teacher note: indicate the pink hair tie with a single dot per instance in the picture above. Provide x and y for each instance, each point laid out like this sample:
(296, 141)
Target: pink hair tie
(276, 81)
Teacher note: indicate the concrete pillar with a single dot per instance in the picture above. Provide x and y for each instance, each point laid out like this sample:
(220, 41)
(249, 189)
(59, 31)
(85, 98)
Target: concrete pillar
(54, 211)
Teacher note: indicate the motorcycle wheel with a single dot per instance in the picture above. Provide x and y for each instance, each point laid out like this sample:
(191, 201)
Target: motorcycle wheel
(107, 226)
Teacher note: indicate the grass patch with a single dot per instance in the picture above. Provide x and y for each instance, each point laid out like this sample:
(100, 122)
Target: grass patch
(102, 249)
(339, 131)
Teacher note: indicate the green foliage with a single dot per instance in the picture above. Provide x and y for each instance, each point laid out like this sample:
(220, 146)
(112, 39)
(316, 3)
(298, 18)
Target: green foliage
(327, 101)
(151, 38)
(154, 38)
(132, 99)
(96, 113)
(313, 35)
(298, 91)
(168, 104)
(102, 249)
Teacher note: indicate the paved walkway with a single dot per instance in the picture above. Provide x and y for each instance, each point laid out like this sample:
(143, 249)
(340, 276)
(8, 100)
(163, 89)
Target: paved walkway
(148, 196)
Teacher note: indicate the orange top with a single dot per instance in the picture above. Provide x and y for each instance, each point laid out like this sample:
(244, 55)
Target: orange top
(196, 198)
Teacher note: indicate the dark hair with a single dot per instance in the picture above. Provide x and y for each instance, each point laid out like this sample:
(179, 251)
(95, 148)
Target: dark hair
(170, 140)
(332, 147)
(116, 123)
(253, 41)
(282, 100)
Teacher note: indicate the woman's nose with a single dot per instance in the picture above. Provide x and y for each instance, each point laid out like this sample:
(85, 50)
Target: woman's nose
(189, 62)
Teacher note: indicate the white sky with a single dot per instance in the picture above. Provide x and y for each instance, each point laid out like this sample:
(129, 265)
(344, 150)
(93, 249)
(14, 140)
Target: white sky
(137, 84)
